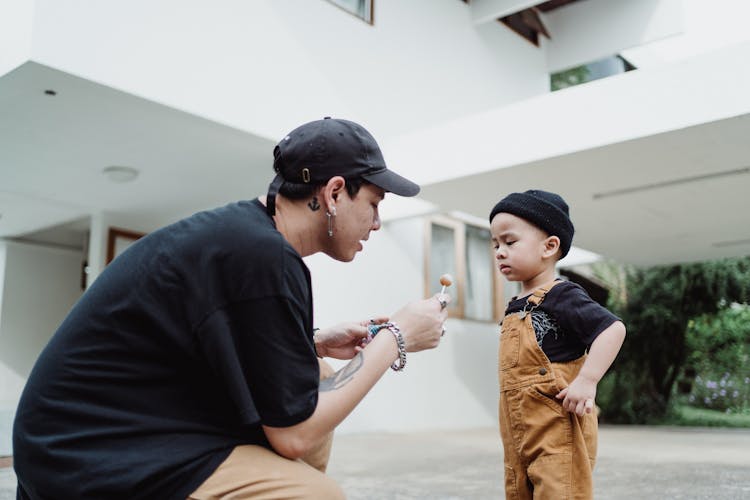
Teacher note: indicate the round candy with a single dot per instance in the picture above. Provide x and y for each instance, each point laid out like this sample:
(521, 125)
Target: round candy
(446, 280)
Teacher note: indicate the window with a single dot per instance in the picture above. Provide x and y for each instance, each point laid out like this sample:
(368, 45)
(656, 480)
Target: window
(463, 250)
(602, 68)
(363, 9)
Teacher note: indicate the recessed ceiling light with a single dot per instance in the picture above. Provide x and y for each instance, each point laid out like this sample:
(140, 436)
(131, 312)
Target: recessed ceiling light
(120, 174)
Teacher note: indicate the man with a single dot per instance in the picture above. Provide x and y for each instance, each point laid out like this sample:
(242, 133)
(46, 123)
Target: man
(190, 367)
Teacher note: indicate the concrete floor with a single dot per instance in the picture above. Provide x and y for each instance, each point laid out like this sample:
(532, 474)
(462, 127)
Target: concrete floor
(634, 463)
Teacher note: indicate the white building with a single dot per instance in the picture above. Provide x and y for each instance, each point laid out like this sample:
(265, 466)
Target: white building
(655, 162)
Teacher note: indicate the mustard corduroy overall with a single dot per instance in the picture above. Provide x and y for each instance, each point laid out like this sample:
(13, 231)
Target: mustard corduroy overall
(549, 452)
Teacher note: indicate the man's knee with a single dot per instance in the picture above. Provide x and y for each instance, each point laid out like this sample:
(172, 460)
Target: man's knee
(325, 487)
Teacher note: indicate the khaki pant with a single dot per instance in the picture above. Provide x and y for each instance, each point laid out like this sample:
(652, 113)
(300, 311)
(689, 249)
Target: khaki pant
(549, 452)
(255, 472)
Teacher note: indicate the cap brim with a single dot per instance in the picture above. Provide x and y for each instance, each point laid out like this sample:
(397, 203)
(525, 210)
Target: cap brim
(393, 183)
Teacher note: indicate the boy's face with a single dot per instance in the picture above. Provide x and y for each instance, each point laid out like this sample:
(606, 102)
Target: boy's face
(522, 250)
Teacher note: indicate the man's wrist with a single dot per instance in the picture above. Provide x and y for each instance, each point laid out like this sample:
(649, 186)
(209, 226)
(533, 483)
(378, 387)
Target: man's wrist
(375, 328)
(317, 345)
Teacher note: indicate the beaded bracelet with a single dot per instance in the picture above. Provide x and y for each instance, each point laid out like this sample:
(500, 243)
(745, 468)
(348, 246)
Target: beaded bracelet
(400, 363)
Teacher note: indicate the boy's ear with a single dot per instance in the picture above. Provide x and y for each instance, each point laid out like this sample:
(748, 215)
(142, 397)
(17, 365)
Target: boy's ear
(551, 246)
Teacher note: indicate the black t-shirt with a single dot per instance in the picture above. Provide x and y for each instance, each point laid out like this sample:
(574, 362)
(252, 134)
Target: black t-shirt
(187, 342)
(567, 321)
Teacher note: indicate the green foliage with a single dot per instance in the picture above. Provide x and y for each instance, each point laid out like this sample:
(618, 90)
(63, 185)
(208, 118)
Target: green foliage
(699, 417)
(657, 308)
(569, 78)
(719, 343)
(716, 374)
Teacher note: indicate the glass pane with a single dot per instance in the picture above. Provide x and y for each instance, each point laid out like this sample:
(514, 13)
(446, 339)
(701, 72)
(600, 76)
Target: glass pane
(360, 8)
(479, 271)
(442, 258)
(602, 68)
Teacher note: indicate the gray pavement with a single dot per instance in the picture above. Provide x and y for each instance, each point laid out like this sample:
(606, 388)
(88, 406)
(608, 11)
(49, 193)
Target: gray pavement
(634, 463)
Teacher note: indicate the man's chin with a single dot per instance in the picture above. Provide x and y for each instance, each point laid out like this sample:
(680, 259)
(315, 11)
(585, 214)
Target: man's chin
(342, 258)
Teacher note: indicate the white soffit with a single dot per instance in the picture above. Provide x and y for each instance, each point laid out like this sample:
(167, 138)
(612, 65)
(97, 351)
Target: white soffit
(484, 11)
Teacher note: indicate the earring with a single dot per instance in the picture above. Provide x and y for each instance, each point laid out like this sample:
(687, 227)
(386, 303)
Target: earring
(330, 221)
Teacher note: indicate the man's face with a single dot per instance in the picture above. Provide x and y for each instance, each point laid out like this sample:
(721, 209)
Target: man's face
(355, 218)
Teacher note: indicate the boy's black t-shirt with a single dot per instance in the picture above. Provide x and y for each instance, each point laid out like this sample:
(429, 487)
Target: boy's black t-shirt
(187, 342)
(566, 322)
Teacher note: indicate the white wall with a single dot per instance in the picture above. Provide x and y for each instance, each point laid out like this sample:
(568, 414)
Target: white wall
(588, 31)
(453, 386)
(16, 22)
(642, 103)
(262, 65)
(40, 286)
(707, 27)
(3, 253)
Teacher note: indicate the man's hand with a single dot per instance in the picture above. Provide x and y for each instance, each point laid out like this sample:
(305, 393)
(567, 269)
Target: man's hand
(579, 396)
(344, 340)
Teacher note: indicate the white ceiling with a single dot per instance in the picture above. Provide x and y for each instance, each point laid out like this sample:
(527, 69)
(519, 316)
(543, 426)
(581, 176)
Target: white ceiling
(53, 148)
(696, 208)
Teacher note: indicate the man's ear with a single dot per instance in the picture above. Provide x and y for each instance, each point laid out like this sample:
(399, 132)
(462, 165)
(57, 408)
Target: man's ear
(551, 246)
(331, 191)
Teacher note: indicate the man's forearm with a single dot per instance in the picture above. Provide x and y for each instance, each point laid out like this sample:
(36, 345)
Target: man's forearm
(338, 396)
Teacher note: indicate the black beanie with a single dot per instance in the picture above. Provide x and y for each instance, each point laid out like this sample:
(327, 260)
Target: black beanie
(547, 211)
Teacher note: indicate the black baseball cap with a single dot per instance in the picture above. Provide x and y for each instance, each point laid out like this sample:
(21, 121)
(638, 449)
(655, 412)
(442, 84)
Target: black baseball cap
(318, 150)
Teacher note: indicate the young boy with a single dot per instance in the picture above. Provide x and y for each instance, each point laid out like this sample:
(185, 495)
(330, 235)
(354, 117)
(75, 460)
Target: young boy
(547, 379)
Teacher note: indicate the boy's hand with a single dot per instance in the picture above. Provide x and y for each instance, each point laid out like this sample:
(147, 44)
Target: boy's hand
(579, 396)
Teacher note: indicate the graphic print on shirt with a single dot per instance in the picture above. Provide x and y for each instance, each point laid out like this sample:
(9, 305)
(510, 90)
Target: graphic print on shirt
(544, 324)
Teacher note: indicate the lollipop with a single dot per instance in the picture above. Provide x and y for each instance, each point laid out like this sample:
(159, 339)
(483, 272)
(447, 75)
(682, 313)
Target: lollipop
(445, 280)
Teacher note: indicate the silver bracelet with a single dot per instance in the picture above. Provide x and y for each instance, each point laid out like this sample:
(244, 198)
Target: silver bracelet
(400, 363)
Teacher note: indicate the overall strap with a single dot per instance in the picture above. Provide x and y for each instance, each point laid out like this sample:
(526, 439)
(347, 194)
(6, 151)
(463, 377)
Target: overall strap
(537, 297)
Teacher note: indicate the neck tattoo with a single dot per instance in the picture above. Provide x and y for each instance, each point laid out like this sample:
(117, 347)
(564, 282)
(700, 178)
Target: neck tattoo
(314, 205)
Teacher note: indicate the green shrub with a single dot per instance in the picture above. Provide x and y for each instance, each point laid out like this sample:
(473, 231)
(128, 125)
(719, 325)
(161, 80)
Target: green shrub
(716, 374)
(700, 417)
(659, 305)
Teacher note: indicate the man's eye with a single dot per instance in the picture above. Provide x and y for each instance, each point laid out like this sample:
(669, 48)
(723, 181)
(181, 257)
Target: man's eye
(509, 243)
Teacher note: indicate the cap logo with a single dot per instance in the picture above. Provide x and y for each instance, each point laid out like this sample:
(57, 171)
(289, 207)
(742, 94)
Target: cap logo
(306, 174)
